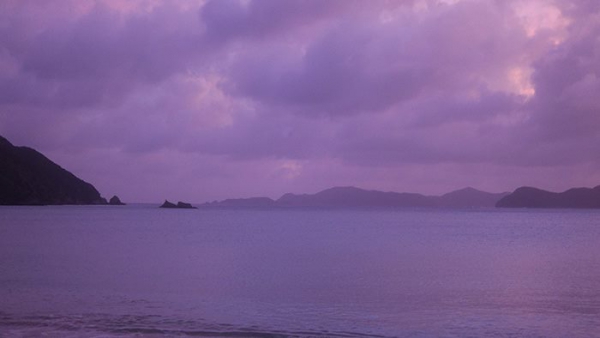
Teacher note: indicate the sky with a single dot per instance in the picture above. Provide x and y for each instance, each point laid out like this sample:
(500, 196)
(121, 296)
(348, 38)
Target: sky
(212, 99)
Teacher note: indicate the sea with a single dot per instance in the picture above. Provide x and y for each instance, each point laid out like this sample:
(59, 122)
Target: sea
(142, 271)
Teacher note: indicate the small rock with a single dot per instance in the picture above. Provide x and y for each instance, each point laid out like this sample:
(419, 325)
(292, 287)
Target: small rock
(115, 201)
(168, 204)
(183, 205)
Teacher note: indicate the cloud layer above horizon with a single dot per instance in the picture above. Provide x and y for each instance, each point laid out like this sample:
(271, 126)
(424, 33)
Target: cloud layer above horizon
(202, 100)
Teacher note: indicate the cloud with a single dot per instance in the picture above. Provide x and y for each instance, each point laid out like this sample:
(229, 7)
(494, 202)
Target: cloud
(370, 64)
(293, 95)
(227, 20)
(97, 57)
(566, 82)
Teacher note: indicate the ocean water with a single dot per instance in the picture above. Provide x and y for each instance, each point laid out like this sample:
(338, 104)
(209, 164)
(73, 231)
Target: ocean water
(140, 271)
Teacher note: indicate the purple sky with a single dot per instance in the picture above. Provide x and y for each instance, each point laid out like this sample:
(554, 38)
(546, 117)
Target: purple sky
(203, 100)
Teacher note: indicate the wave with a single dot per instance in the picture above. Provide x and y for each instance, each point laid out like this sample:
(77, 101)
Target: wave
(104, 325)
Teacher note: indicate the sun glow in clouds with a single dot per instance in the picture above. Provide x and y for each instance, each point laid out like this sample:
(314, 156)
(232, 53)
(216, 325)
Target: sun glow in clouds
(520, 79)
(213, 108)
(541, 16)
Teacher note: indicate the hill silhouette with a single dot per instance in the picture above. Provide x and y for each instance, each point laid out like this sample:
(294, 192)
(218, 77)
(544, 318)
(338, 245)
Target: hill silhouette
(356, 197)
(29, 178)
(529, 197)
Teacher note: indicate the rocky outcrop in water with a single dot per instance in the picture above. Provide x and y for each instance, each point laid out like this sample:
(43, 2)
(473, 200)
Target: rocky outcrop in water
(115, 201)
(168, 205)
(179, 205)
(29, 178)
(183, 205)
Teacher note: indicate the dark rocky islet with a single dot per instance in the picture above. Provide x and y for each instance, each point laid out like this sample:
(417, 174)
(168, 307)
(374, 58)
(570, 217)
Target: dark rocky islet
(115, 200)
(179, 205)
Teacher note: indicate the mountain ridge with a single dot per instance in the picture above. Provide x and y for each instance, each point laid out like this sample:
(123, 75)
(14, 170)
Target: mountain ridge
(530, 197)
(350, 196)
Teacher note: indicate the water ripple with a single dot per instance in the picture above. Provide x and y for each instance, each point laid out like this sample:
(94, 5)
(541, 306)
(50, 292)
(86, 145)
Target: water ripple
(102, 325)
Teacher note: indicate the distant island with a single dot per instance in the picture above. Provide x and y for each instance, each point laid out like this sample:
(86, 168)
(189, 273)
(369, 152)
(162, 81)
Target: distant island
(528, 197)
(179, 205)
(352, 197)
(29, 178)
(359, 198)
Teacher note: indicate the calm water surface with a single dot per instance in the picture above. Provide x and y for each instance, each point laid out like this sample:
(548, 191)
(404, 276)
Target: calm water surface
(140, 271)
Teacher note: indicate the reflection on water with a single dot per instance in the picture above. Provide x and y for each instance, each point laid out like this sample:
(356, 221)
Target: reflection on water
(142, 271)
